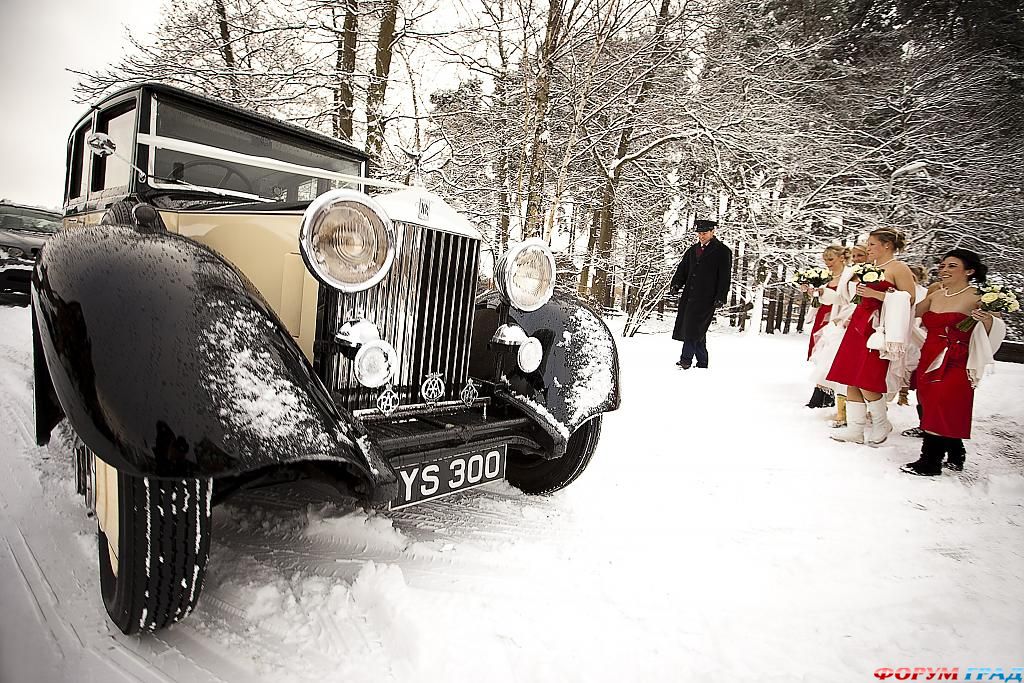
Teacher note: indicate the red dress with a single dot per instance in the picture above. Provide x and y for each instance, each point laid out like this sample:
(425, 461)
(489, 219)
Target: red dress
(820, 320)
(945, 393)
(856, 365)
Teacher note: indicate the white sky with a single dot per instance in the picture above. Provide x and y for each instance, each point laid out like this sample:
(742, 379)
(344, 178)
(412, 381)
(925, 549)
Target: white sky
(39, 40)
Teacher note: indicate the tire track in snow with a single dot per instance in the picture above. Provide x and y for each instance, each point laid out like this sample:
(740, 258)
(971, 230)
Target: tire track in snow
(330, 635)
(18, 417)
(40, 539)
(457, 546)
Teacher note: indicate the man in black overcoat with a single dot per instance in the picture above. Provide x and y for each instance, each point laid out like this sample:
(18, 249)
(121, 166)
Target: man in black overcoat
(703, 276)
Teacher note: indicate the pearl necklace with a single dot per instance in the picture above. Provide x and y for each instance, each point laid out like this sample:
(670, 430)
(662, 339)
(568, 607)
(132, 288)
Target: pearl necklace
(950, 296)
(882, 265)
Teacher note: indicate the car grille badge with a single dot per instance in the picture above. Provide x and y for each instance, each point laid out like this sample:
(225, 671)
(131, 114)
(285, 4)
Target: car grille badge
(432, 388)
(387, 400)
(469, 393)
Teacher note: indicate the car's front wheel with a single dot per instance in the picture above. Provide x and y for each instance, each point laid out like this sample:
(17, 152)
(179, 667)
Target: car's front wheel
(536, 475)
(153, 543)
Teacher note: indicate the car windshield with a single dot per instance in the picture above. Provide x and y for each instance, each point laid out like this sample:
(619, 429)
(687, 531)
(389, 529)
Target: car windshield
(28, 220)
(224, 155)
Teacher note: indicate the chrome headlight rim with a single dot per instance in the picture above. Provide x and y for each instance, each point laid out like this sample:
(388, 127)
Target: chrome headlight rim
(530, 355)
(505, 273)
(318, 209)
(390, 358)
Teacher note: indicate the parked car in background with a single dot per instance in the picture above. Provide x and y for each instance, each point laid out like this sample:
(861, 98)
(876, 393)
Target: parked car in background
(23, 230)
(234, 304)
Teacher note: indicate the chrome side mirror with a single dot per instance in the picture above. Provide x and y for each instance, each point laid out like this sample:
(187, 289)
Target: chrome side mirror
(101, 144)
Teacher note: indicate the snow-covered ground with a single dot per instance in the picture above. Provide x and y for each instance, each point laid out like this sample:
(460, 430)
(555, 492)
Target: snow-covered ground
(718, 535)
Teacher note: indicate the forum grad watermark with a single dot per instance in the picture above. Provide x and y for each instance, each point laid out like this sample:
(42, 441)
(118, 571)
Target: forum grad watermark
(950, 673)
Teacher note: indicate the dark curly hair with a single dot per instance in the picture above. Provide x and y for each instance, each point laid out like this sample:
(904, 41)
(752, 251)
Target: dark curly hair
(971, 261)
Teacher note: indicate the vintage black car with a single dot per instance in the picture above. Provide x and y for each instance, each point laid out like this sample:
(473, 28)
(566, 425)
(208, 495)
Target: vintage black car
(227, 307)
(23, 231)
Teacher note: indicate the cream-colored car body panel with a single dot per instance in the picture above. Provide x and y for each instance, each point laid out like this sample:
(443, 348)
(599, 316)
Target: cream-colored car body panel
(81, 220)
(107, 508)
(264, 246)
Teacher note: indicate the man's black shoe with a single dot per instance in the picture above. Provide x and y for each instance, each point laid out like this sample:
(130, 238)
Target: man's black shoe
(956, 466)
(683, 365)
(703, 366)
(913, 432)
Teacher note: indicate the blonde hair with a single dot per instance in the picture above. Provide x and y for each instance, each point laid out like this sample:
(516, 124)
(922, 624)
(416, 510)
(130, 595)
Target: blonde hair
(861, 247)
(839, 250)
(920, 273)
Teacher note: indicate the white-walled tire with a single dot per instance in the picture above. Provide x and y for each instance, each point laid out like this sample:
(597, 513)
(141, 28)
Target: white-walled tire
(153, 544)
(536, 475)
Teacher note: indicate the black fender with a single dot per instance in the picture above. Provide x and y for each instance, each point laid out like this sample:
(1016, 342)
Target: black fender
(168, 363)
(578, 377)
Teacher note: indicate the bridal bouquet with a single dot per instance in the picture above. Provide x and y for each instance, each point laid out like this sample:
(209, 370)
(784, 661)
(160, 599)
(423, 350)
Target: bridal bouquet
(814, 278)
(867, 273)
(993, 298)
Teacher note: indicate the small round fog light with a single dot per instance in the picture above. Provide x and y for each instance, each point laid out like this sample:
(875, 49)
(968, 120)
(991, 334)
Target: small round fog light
(375, 363)
(531, 353)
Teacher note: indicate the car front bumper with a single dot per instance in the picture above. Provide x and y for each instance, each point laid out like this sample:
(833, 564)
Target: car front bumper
(16, 275)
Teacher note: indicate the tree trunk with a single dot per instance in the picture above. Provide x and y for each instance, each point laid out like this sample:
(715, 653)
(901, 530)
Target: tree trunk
(604, 245)
(503, 172)
(603, 255)
(377, 89)
(226, 51)
(595, 229)
(346, 67)
(535, 179)
(586, 91)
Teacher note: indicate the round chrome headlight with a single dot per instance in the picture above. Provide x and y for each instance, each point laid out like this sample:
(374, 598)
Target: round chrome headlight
(526, 275)
(347, 240)
(375, 363)
(530, 354)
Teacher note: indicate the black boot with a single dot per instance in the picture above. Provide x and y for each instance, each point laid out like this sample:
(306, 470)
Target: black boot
(956, 454)
(930, 462)
(916, 432)
(817, 399)
(828, 400)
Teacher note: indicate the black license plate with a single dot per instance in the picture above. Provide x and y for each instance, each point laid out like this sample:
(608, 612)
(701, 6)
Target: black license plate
(429, 480)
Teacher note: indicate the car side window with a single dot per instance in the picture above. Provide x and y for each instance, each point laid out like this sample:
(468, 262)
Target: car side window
(78, 177)
(114, 170)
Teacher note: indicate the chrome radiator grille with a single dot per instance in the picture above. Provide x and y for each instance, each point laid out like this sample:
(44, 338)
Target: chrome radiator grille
(424, 308)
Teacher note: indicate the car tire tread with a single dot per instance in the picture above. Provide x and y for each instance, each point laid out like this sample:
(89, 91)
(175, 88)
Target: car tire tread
(163, 551)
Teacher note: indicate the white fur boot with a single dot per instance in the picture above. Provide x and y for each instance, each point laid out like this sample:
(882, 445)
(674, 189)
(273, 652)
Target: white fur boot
(856, 413)
(880, 425)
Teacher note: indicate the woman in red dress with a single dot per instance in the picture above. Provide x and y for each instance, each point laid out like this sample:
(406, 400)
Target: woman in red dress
(863, 370)
(835, 257)
(944, 388)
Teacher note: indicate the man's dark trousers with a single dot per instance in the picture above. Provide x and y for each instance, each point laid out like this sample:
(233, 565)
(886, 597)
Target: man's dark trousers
(698, 347)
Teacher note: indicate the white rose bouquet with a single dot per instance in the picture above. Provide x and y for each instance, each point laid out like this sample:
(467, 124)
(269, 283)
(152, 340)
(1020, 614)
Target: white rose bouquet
(814, 278)
(867, 273)
(993, 298)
